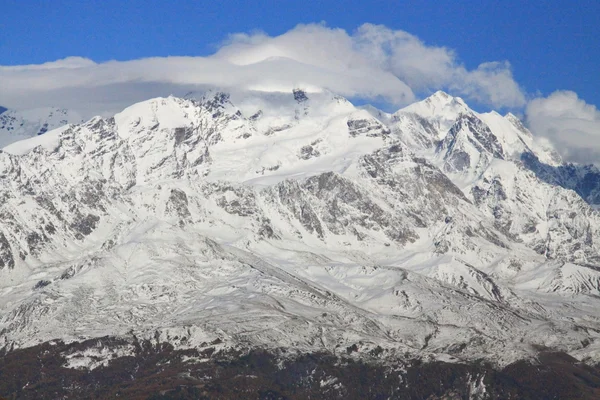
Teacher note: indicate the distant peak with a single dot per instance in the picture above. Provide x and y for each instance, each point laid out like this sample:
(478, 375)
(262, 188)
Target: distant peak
(441, 97)
(438, 105)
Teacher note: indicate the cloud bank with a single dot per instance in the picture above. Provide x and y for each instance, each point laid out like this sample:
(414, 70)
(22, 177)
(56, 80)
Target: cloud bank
(373, 62)
(572, 125)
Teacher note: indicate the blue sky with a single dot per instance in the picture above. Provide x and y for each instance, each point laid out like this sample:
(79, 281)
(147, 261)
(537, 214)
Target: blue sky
(550, 44)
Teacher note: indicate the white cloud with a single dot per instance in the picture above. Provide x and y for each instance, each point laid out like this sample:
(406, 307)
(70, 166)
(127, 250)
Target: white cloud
(69, 62)
(425, 67)
(572, 125)
(491, 83)
(372, 62)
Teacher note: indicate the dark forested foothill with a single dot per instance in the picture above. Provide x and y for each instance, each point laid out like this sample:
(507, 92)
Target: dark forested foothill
(159, 372)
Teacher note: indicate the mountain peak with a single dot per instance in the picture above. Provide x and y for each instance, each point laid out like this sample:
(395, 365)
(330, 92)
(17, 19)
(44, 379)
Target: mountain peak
(440, 105)
(17, 125)
(440, 109)
(441, 97)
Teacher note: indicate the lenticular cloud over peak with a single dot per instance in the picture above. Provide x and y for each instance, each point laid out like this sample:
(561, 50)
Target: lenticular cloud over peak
(371, 62)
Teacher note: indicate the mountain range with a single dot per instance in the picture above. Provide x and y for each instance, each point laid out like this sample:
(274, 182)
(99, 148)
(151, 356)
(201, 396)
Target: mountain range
(296, 223)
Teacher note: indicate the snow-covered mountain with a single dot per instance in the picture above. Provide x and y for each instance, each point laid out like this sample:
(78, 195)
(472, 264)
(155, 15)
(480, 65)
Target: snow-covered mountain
(16, 125)
(297, 221)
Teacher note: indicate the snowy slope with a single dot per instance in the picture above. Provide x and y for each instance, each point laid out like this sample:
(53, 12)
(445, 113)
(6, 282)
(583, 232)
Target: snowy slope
(295, 220)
